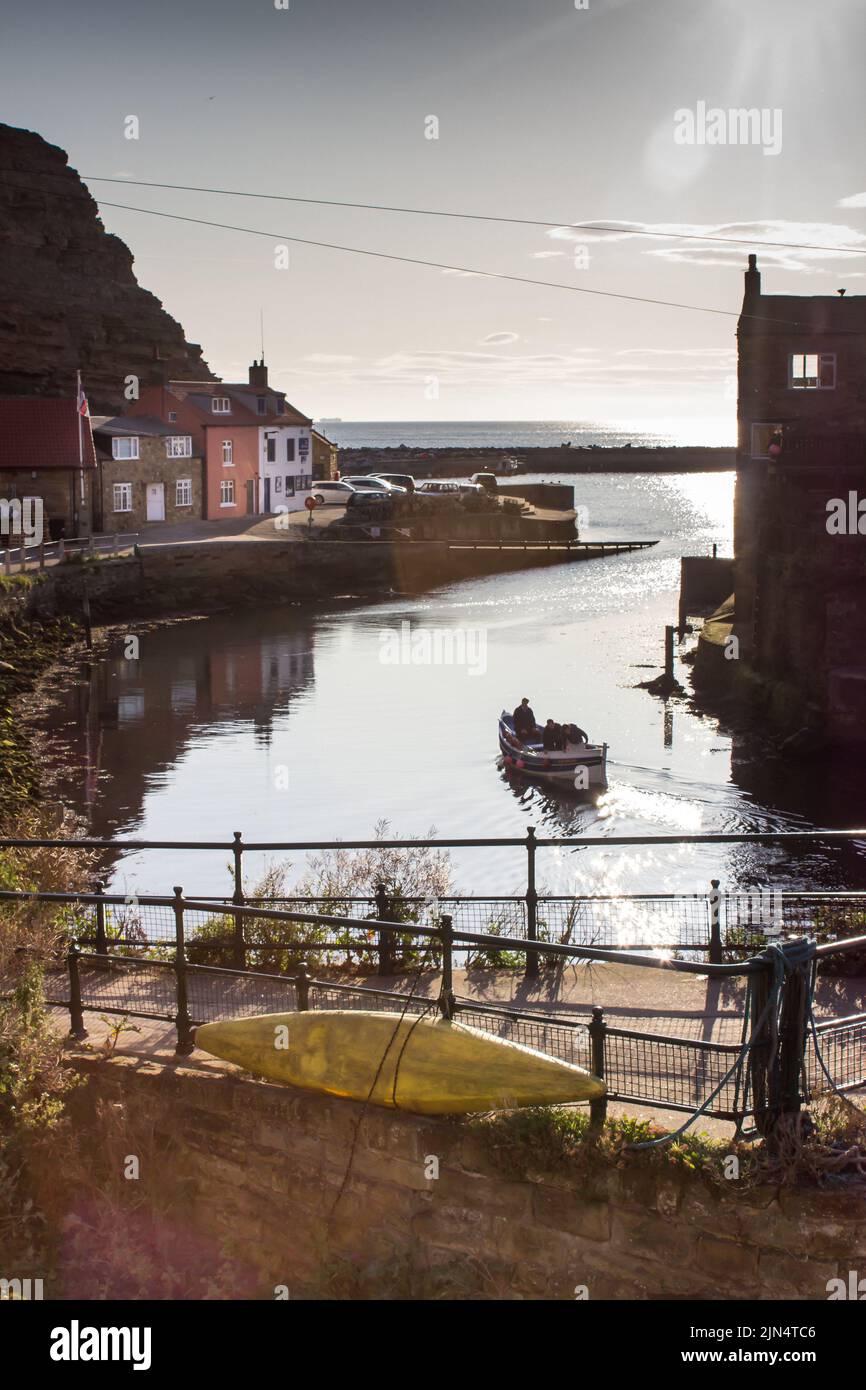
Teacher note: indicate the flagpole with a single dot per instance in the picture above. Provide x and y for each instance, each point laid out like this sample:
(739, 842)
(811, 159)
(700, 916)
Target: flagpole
(80, 437)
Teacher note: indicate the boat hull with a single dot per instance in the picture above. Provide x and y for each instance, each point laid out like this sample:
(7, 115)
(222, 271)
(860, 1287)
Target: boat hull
(430, 1067)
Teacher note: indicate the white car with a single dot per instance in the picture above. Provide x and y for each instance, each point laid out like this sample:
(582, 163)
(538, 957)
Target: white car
(369, 484)
(331, 494)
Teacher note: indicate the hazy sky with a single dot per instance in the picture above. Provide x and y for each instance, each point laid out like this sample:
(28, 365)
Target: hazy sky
(544, 111)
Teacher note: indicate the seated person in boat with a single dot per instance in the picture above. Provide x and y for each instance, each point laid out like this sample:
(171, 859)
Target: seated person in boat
(524, 719)
(549, 736)
(574, 734)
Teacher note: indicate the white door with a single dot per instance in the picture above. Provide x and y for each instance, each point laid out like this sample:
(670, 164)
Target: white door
(156, 501)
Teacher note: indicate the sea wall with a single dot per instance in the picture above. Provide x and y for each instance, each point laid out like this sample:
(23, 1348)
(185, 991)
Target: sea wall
(263, 1171)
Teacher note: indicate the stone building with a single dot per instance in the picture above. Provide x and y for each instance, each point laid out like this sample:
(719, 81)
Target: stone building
(147, 473)
(325, 458)
(47, 453)
(800, 552)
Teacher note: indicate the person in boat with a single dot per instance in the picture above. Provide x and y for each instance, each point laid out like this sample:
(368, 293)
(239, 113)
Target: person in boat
(549, 737)
(524, 719)
(574, 734)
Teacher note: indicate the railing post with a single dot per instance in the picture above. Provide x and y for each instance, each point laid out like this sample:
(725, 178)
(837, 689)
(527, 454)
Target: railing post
(597, 1035)
(183, 1023)
(61, 549)
(446, 995)
(531, 972)
(42, 555)
(386, 943)
(302, 986)
(101, 938)
(714, 901)
(240, 954)
(76, 1012)
(7, 568)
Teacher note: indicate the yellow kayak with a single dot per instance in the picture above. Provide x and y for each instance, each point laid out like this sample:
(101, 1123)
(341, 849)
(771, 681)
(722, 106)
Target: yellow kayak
(431, 1066)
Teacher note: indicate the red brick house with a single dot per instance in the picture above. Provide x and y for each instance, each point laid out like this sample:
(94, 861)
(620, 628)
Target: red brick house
(47, 452)
(256, 448)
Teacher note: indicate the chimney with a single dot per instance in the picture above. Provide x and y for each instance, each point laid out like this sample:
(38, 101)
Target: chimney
(753, 281)
(259, 375)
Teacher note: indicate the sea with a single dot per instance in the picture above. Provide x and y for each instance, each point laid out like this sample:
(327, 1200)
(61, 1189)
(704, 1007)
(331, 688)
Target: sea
(527, 434)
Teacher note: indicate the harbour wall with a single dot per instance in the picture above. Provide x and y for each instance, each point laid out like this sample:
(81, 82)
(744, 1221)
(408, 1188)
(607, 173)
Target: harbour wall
(258, 1172)
(461, 462)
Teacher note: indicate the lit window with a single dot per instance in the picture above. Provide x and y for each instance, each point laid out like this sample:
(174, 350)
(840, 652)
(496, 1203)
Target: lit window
(290, 487)
(812, 371)
(178, 446)
(122, 497)
(227, 492)
(183, 492)
(221, 405)
(278, 484)
(125, 448)
(228, 454)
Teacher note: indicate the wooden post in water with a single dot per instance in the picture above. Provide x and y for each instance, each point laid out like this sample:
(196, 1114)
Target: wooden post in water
(669, 652)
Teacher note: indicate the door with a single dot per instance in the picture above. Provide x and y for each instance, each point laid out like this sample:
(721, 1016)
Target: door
(251, 496)
(156, 501)
(267, 506)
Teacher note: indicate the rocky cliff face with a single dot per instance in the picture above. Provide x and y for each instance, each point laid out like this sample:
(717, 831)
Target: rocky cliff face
(68, 295)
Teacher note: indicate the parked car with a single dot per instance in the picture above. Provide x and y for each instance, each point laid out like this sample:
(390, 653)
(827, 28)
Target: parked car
(330, 494)
(436, 488)
(370, 497)
(403, 480)
(485, 480)
(371, 484)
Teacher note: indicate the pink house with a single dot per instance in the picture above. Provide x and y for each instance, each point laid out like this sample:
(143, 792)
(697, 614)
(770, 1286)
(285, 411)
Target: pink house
(256, 447)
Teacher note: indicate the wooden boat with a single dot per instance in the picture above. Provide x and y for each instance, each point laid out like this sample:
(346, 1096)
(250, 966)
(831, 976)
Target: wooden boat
(580, 765)
(430, 1066)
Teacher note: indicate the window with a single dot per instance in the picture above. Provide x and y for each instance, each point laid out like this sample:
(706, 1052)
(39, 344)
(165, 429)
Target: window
(178, 446)
(290, 451)
(221, 405)
(122, 497)
(290, 487)
(812, 371)
(227, 492)
(172, 416)
(304, 444)
(761, 436)
(262, 405)
(228, 454)
(278, 484)
(271, 449)
(183, 492)
(125, 448)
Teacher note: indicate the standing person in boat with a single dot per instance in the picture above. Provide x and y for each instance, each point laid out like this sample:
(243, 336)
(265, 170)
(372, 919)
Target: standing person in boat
(524, 719)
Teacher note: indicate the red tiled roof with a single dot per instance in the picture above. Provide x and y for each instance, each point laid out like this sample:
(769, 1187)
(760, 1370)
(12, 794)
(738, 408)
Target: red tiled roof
(42, 432)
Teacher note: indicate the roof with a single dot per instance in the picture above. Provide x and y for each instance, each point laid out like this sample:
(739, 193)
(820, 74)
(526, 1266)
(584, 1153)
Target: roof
(42, 432)
(317, 434)
(244, 400)
(132, 425)
(820, 313)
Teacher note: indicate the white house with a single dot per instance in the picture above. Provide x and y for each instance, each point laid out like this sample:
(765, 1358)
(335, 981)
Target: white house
(285, 466)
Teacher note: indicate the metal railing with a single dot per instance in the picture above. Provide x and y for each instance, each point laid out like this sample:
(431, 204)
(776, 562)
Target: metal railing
(654, 1069)
(716, 923)
(23, 556)
(659, 1070)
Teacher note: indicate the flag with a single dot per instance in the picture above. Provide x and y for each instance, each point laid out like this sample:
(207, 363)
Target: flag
(83, 407)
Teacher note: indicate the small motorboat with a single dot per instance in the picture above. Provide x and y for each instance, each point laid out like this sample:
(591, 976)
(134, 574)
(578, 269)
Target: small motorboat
(579, 765)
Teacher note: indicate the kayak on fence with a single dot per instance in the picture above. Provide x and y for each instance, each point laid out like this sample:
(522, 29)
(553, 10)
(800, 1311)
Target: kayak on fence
(429, 1066)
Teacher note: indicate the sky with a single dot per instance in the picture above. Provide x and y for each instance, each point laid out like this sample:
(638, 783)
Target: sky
(540, 110)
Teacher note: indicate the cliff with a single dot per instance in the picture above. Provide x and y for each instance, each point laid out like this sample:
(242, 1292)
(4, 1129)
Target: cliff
(68, 295)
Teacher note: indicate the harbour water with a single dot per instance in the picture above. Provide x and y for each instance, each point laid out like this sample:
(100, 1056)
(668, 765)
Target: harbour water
(525, 434)
(306, 723)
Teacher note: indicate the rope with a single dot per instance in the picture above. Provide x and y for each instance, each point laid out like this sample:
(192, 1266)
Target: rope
(789, 962)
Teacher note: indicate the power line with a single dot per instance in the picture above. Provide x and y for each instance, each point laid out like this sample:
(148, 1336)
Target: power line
(486, 217)
(416, 260)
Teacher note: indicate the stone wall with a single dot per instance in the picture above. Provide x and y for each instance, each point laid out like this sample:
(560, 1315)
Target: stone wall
(151, 466)
(262, 1166)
